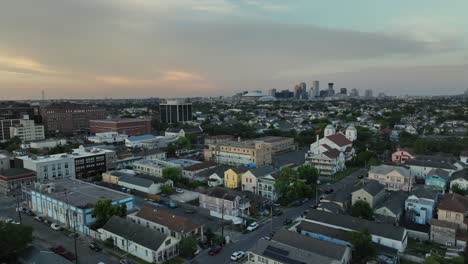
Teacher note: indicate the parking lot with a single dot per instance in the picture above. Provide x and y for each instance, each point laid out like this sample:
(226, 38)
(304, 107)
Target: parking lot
(185, 196)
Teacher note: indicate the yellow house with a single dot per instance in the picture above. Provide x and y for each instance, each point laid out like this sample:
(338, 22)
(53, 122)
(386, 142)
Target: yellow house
(233, 177)
(110, 177)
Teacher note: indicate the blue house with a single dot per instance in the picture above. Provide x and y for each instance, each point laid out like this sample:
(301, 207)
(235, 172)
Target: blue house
(420, 205)
(70, 202)
(438, 179)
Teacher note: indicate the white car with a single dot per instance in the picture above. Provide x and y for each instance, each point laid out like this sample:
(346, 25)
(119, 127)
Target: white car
(178, 190)
(252, 226)
(55, 227)
(11, 221)
(237, 255)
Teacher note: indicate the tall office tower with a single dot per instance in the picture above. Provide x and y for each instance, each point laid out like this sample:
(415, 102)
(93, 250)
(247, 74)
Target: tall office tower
(368, 93)
(303, 86)
(272, 92)
(17, 110)
(344, 91)
(316, 85)
(297, 91)
(354, 93)
(175, 111)
(331, 91)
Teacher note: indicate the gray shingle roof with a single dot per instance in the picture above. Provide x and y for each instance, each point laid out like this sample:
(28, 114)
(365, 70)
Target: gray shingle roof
(136, 181)
(356, 224)
(442, 164)
(313, 245)
(141, 235)
(262, 171)
(373, 187)
(460, 174)
(425, 193)
(395, 202)
(385, 169)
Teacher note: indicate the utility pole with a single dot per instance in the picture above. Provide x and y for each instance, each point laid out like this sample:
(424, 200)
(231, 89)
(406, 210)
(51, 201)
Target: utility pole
(271, 224)
(222, 220)
(74, 223)
(18, 190)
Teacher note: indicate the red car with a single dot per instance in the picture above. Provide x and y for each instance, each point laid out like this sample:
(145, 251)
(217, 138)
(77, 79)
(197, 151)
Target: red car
(58, 249)
(215, 250)
(68, 255)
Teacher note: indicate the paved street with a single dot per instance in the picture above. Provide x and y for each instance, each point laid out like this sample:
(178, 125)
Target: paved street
(45, 237)
(246, 241)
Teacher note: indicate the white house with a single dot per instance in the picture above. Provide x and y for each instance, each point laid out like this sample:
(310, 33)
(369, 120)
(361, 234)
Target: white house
(27, 130)
(50, 167)
(144, 243)
(460, 178)
(420, 166)
(329, 153)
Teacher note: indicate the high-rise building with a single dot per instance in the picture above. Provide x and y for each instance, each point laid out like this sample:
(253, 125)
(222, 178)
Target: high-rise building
(331, 91)
(368, 93)
(300, 91)
(354, 93)
(316, 85)
(5, 128)
(343, 91)
(67, 118)
(272, 92)
(175, 111)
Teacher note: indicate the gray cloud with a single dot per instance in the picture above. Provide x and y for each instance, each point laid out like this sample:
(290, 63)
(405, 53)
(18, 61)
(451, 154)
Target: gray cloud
(86, 39)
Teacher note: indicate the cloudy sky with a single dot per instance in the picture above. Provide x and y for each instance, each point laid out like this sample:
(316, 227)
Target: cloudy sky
(173, 48)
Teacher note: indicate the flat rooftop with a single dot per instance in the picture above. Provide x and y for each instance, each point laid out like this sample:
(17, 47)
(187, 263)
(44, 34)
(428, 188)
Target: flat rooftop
(77, 153)
(79, 193)
(16, 172)
(120, 120)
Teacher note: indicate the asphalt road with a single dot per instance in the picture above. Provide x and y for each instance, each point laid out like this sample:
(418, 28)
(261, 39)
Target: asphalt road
(45, 237)
(246, 241)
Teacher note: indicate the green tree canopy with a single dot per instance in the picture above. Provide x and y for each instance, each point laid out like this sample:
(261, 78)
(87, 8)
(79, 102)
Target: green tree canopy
(308, 173)
(183, 142)
(363, 249)
(187, 246)
(171, 150)
(13, 239)
(362, 209)
(290, 186)
(171, 173)
(104, 209)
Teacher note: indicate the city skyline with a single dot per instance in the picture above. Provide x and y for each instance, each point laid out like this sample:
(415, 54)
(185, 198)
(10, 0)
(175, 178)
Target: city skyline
(186, 48)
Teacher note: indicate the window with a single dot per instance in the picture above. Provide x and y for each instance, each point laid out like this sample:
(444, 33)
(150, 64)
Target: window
(457, 216)
(447, 214)
(168, 242)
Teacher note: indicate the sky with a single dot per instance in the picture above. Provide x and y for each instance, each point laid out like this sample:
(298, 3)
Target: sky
(186, 48)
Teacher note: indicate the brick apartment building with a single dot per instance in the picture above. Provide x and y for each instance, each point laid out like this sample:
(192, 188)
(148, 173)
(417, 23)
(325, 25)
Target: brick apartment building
(130, 127)
(68, 118)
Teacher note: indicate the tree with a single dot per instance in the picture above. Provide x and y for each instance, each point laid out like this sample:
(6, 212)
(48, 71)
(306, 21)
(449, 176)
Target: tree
(290, 186)
(13, 239)
(363, 249)
(457, 189)
(173, 174)
(183, 142)
(104, 209)
(187, 246)
(362, 209)
(167, 189)
(308, 173)
(171, 150)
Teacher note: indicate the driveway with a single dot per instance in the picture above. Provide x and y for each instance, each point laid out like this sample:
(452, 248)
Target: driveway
(185, 196)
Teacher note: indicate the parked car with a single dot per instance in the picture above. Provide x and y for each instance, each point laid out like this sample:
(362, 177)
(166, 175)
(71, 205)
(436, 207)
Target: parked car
(11, 221)
(266, 238)
(287, 221)
(296, 203)
(47, 222)
(304, 200)
(313, 206)
(189, 211)
(59, 249)
(252, 226)
(56, 227)
(178, 190)
(125, 261)
(94, 246)
(277, 212)
(68, 255)
(29, 212)
(305, 212)
(328, 191)
(215, 250)
(39, 218)
(237, 255)
(172, 204)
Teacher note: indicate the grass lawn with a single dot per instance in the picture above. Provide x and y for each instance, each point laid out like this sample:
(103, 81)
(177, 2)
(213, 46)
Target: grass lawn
(176, 260)
(342, 174)
(422, 248)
